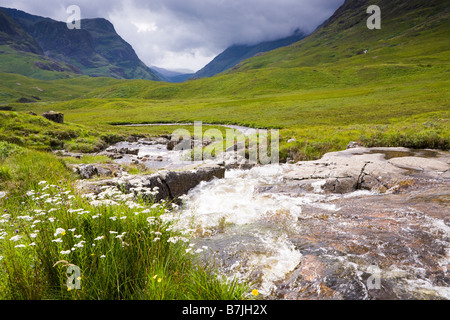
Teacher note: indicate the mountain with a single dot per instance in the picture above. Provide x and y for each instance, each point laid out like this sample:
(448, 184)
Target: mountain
(411, 31)
(95, 50)
(237, 53)
(173, 76)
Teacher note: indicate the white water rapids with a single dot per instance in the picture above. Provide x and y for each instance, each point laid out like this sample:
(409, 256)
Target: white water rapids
(265, 237)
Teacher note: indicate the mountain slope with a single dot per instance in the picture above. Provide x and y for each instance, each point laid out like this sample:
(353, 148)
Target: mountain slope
(237, 53)
(411, 31)
(96, 49)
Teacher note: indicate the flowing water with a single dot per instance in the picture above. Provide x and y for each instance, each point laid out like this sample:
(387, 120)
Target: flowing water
(297, 245)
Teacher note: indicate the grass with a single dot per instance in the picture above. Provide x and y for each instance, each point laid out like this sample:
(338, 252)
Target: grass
(124, 250)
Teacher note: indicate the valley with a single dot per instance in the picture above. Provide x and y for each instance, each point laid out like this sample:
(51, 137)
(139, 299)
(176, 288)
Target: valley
(357, 208)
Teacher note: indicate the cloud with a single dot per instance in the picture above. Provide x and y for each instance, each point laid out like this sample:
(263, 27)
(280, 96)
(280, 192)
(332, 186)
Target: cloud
(189, 33)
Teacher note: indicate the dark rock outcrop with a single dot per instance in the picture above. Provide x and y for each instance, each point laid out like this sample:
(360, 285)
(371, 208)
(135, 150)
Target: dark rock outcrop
(54, 116)
(170, 184)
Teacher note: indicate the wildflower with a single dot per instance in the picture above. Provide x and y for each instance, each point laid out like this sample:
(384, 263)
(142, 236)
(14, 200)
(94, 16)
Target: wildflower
(113, 232)
(72, 230)
(79, 244)
(156, 239)
(99, 238)
(20, 246)
(42, 182)
(57, 240)
(255, 292)
(65, 252)
(32, 244)
(15, 238)
(113, 218)
(155, 276)
(77, 236)
(60, 231)
(102, 256)
(159, 280)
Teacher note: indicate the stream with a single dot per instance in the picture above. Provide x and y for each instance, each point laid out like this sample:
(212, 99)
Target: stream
(297, 243)
(312, 245)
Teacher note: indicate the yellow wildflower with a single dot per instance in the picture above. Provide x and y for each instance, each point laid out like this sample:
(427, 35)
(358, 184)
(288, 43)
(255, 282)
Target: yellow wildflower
(255, 292)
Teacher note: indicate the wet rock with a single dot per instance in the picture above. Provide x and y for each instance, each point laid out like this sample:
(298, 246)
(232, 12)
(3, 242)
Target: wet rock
(420, 164)
(347, 171)
(87, 171)
(54, 116)
(171, 184)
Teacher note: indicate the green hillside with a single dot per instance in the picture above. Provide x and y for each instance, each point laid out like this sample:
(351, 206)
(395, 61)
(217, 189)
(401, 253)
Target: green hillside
(324, 91)
(95, 49)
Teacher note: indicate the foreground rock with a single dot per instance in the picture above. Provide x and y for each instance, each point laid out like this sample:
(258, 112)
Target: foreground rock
(170, 184)
(364, 169)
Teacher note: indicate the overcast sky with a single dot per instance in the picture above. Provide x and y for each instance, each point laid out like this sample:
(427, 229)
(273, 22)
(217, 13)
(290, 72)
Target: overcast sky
(187, 34)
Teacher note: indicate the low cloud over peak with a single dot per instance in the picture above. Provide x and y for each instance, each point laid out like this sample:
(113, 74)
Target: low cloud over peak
(188, 34)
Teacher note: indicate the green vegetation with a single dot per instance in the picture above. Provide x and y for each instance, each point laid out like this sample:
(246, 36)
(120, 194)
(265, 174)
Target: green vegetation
(322, 91)
(124, 251)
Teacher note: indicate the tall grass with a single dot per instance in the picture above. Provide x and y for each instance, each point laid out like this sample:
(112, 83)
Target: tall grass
(123, 246)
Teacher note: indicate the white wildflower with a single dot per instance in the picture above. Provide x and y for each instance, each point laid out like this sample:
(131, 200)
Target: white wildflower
(15, 238)
(32, 244)
(102, 256)
(77, 236)
(42, 182)
(57, 240)
(59, 231)
(156, 239)
(20, 246)
(65, 252)
(79, 244)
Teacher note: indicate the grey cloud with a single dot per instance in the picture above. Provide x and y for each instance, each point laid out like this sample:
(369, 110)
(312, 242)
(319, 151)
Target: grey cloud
(189, 33)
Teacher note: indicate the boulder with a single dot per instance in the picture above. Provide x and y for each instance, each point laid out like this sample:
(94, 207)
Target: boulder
(171, 184)
(87, 171)
(54, 116)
